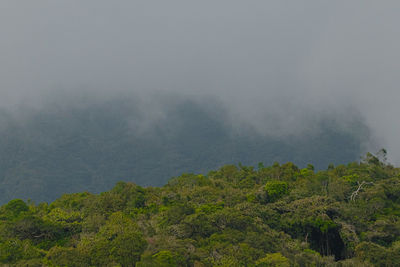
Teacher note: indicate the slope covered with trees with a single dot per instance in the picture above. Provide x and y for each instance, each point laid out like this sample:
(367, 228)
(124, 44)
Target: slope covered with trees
(280, 215)
(73, 145)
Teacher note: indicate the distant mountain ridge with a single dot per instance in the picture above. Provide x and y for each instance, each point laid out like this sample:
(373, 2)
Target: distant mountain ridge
(90, 146)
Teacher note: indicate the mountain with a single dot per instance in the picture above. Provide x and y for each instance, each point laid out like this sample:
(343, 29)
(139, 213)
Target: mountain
(88, 144)
(279, 215)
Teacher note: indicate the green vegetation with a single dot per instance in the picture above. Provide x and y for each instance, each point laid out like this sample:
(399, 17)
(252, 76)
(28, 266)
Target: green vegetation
(281, 215)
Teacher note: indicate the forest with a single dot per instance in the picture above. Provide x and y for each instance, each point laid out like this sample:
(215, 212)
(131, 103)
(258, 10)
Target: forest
(75, 145)
(279, 215)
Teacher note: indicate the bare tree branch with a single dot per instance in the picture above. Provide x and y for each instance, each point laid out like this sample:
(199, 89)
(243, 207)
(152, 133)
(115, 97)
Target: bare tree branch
(360, 185)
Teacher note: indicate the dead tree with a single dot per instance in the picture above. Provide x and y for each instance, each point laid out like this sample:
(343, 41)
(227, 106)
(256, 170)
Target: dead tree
(360, 185)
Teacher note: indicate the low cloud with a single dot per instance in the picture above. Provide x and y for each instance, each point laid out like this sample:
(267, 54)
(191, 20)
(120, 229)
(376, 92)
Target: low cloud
(278, 66)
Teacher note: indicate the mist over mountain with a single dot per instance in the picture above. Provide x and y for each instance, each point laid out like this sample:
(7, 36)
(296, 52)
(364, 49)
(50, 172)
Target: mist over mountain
(94, 92)
(199, 133)
(89, 144)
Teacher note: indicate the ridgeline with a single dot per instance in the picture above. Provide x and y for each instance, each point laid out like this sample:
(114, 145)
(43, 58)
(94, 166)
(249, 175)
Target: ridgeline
(68, 147)
(281, 215)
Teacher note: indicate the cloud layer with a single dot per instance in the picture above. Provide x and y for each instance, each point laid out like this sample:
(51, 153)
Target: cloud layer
(278, 65)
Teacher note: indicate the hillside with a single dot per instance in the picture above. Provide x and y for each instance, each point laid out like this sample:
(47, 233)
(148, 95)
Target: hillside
(280, 215)
(73, 145)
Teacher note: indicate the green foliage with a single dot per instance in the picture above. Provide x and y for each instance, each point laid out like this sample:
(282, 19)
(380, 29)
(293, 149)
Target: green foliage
(61, 256)
(273, 260)
(277, 215)
(164, 258)
(275, 190)
(119, 240)
(15, 207)
(14, 250)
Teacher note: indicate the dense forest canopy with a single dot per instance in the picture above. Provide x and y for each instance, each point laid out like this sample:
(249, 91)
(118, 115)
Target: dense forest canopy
(217, 95)
(279, 215)
(73, 144)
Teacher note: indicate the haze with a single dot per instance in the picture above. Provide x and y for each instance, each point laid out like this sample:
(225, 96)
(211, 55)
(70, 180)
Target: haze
(277, 65)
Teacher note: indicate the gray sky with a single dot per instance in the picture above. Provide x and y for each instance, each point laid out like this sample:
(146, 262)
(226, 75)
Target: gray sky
(283, 63)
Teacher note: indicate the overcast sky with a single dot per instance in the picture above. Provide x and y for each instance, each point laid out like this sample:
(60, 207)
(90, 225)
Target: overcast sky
(280, 62)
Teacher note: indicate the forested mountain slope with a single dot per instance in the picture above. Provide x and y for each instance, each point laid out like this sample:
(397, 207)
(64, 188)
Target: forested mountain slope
(280, 215)
(70, 146)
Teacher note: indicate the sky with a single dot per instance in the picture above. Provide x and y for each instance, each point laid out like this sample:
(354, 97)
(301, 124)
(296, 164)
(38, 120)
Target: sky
(280, 65)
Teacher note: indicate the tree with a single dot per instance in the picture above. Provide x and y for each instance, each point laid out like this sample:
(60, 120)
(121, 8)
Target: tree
(275, 190)
(273, 260)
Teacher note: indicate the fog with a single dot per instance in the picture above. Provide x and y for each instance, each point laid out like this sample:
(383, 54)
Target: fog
(279, 66)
